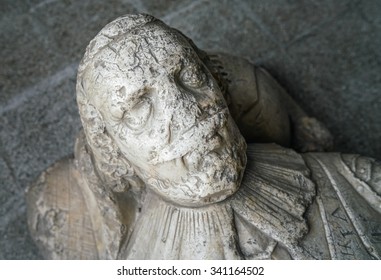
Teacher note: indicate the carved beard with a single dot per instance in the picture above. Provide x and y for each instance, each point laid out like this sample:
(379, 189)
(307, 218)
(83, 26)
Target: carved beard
(213, 173)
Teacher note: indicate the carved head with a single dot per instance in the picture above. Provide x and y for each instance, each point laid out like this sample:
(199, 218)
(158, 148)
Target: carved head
(152, 110)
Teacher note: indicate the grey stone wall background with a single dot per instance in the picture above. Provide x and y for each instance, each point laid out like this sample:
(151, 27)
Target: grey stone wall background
(326, 53)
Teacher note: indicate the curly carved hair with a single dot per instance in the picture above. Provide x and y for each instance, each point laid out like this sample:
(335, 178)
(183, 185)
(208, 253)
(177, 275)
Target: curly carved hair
(114, 170)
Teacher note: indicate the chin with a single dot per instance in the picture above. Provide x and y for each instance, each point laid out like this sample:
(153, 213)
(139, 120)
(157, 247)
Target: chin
(218, 175)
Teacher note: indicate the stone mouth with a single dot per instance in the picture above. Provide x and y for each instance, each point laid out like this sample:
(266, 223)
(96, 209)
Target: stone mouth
(205, 136)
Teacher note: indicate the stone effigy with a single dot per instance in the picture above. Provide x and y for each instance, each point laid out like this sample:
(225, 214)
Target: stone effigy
(161, 170)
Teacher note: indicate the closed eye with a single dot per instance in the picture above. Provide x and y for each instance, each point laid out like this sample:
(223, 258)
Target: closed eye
(138, 115)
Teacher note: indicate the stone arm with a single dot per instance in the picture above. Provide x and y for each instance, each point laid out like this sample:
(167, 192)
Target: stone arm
(263, 110)
(345, 217)
(71, 215)
(308, 206)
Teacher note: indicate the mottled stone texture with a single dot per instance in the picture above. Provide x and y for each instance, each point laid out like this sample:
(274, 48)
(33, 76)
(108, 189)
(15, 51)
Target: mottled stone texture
(325, 53)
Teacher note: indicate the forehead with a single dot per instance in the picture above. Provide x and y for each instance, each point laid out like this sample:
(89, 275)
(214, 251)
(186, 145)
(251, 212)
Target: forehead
(159, 41)
(138, 58)
(153, 47)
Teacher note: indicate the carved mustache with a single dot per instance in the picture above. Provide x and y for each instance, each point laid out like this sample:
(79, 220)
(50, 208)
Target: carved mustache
(199, 136)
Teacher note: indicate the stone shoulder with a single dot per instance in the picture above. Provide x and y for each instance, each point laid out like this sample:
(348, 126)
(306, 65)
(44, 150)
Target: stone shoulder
(57, 214)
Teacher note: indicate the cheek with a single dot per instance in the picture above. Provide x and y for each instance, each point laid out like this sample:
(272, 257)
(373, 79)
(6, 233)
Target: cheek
(140, 148)
(158, 132)
(135, 151)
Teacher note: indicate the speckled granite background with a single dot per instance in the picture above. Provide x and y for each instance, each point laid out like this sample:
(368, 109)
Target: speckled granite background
(326, 53)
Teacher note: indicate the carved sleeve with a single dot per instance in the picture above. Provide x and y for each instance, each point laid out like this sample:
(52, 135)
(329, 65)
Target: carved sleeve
(253, 99)
(58, 218)
(348, 205)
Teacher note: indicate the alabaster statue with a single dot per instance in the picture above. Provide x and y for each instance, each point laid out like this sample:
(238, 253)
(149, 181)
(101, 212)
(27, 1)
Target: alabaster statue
(162, 168)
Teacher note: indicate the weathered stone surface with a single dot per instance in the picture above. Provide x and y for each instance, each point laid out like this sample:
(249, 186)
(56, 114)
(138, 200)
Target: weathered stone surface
(336, 78)
(28, 54)
(80, 22)
(28, 135)
(326, 55)
(161, 162)
(38, 39)
(198, 19)
(163, 8)
(15, 242)
(9, 189)
(290, 21)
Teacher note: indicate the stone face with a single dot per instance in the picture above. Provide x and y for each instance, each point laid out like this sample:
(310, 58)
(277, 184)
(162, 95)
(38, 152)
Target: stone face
(148, 101)
(326, 56)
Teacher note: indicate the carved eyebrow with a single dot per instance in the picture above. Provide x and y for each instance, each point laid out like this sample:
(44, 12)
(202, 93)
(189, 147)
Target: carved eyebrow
(133, 95)
(176, 60)
(122, 98)
(125, 100)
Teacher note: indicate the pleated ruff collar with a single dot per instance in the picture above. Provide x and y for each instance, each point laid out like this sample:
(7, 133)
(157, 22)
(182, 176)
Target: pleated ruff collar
(273, 197)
